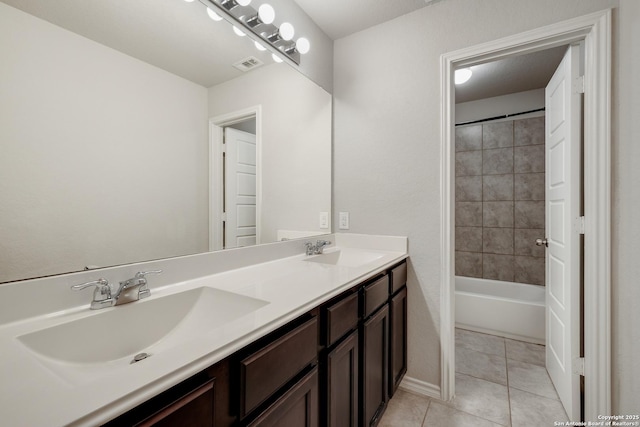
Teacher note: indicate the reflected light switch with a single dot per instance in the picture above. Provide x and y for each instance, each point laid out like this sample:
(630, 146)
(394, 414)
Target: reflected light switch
(324, 219)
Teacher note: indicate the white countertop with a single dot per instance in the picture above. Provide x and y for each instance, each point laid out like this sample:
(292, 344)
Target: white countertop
(48, 393)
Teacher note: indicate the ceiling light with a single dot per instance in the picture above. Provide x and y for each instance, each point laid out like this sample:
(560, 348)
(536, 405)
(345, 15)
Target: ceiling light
(243, 2)
(286, 31)
(238, 31)
(462, 75)
(303, 45)
(188, 1)
(276, 58)
(213, 15)
(266, 13)
(260, 47)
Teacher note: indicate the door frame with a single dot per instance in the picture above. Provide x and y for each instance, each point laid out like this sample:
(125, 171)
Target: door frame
(595, 30)
(216, 176)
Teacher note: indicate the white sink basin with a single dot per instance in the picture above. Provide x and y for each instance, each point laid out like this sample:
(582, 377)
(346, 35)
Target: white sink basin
(346, 257)
(124, 331)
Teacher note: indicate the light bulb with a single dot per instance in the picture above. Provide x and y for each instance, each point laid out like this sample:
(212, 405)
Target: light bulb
(260, 47)
(286, 31)
(266, 13)
(238, 31)
(462, 75)
(276, 58)
(302, 45)
(243, 2)
(213, 15)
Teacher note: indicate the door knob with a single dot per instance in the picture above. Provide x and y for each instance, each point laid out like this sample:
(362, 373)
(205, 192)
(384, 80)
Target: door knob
(542, 242)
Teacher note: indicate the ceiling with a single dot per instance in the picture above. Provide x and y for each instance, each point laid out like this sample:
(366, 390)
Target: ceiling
(340, 18)
(179, 37)
(173, 35)
(510, 75)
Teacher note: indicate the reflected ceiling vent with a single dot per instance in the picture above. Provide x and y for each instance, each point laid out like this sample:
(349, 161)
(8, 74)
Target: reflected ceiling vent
(248, 63)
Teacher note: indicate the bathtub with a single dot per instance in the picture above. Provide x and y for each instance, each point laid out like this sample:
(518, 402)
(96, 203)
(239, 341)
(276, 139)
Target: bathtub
(511, 310)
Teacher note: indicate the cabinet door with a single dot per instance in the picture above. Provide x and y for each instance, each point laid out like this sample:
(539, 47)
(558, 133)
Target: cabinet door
(398, 337)
(375, 363)
(296, 408)
(342, 383)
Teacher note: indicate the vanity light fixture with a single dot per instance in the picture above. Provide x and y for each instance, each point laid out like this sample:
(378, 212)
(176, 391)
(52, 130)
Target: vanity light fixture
(259, 26)
(462, 75)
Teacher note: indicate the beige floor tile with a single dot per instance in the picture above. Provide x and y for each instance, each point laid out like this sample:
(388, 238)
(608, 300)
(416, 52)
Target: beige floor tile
(483, 343)
(405, 409)
(482, 398)
(531, 378)
(440, 415)
(525, 352)
(481, 365)
(528, 409)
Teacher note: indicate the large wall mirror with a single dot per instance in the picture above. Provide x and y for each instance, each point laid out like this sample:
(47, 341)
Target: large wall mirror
(115, 120)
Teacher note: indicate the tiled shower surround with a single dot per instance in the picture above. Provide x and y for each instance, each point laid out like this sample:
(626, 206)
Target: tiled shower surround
(500, 200)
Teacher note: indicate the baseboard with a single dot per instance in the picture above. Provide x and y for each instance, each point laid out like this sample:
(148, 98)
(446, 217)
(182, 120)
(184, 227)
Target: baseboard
(420, 387)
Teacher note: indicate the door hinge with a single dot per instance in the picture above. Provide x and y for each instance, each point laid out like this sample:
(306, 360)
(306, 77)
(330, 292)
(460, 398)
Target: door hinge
(578, 225)
(578, 366)
(224, 216)
(578, 85)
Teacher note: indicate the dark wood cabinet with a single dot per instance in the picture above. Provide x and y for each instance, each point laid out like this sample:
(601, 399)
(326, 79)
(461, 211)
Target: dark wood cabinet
(342, 376)
(375, 366)
(398, 339)
(298, 407)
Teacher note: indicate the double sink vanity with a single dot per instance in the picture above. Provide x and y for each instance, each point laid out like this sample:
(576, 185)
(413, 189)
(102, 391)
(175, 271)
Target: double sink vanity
(255, 336)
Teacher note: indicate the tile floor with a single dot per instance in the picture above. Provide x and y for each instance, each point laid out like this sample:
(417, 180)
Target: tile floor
(499, 382)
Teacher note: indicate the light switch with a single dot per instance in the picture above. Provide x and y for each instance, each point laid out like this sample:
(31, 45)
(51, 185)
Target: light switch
(344, 221)
(324, 219)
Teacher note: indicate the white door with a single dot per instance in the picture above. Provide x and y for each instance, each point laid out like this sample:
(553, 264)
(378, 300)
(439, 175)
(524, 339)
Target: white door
(240, 188)
(563, 140)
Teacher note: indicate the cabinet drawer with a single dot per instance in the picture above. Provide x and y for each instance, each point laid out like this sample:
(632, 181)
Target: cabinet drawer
(265, 371)
(341, 318)
(398, 277)
(375, 295)
(194, 409)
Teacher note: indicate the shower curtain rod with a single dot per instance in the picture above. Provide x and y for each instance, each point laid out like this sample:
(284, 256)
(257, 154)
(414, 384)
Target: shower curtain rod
(499, 117)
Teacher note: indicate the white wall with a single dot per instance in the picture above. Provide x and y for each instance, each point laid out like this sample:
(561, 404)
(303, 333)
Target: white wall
(296, 140)
(89, 174)
(626, 202)
(497, 106)
(387, 153)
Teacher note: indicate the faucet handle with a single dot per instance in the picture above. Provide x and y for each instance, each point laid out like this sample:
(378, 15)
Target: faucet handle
(323, 243)
(141, 274)
(97, 283)
(101, 295)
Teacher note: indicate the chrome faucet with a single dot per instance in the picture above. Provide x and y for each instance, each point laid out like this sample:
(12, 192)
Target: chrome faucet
(129, 290)
(317, 248)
